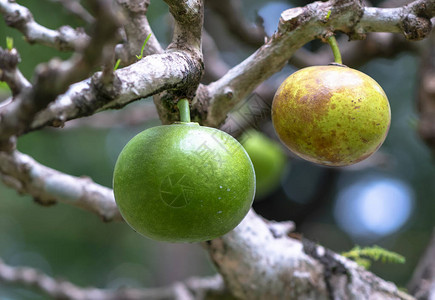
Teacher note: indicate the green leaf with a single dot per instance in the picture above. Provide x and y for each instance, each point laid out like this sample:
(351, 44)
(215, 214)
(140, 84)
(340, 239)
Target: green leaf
(143, 47)
(362, 256)
(117, 64)
(364, 262)
(4, 86)
(9, 43)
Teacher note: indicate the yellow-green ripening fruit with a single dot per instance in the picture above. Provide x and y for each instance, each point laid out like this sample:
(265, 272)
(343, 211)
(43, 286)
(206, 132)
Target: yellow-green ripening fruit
(331, 115)
(268, 158)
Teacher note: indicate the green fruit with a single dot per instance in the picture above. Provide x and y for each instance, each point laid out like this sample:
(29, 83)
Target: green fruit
(268, 158)
(331, 115)
(183, 183)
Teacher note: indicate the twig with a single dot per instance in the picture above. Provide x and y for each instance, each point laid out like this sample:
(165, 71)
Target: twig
(48, 186)
(412, 20)
(193, 288)
(357, 53)
(19, 17)
(10, 73)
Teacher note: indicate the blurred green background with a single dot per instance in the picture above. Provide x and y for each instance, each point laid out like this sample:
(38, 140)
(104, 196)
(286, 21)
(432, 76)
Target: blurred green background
(390, 203)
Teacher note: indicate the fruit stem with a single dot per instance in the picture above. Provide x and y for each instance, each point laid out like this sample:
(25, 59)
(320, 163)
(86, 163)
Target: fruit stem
(334, 46)
(183, 106)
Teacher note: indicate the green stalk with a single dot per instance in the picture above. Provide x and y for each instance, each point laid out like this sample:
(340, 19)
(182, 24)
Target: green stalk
(183, 106)
(334, 46)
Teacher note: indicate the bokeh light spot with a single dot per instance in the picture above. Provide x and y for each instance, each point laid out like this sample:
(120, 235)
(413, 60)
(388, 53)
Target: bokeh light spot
(374, 207)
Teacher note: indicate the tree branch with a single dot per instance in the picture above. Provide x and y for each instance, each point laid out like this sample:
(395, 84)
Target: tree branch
(9, 72)
(188, 17)
(297, 27)
(357, 53)
(48, 186)
(19, 17)
(55, 77)
(257, 263)
(193, 288)
(412, 20)
(147, 77)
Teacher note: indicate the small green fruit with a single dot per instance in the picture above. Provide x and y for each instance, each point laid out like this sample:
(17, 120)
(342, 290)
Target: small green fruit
(183, 183)
(268, 158)
(331, 115)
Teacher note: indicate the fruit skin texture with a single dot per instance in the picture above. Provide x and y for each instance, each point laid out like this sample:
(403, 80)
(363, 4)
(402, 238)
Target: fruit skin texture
(268, 158)
(331, 115)
(183, 183)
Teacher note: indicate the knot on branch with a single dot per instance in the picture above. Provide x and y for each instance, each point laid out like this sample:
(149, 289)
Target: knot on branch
(66, 34)
(416, 28)
(9, 59)
(43, 202)
(333, 269)
(416, 20)
(105, 91)
(19, 18)
(8, 145)
(291, 19)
